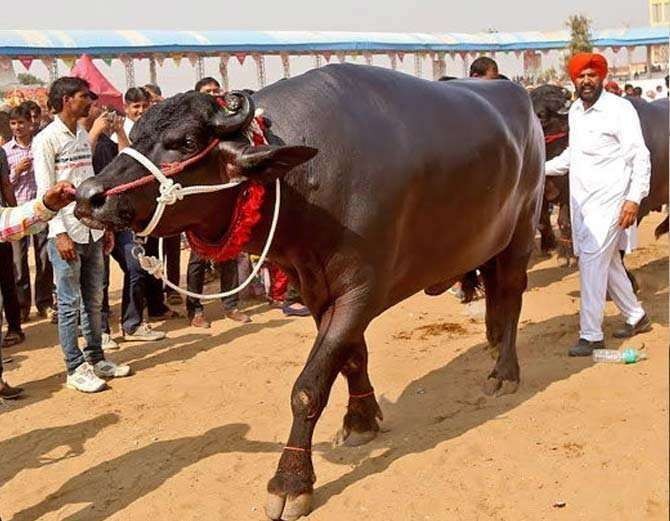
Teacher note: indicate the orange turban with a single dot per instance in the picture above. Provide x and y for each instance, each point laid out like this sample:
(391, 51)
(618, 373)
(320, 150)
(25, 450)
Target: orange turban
(587, 60)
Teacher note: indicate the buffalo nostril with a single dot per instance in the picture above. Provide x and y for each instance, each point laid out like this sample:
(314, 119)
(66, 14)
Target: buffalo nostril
(97, 200)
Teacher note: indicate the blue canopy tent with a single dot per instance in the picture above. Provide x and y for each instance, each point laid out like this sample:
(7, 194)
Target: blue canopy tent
(129, 44)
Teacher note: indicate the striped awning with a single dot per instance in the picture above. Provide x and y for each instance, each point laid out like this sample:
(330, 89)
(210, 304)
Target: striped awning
(15, 43)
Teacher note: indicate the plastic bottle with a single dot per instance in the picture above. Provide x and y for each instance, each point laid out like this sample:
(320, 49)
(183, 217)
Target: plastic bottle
(627, 356)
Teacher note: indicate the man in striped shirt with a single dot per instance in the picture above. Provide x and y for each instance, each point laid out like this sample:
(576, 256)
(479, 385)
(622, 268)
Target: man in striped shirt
(62, 152)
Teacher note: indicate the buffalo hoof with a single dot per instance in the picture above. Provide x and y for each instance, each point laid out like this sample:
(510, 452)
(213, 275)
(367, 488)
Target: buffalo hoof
(288, 508)
(498, 387)
(350, 438)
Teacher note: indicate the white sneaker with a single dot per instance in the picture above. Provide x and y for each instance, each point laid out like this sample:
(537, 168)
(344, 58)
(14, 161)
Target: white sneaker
(108, 343)
(107, 369)
(84, 379)
(144, 333)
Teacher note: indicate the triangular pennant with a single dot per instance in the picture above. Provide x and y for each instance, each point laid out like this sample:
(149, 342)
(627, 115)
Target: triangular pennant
(160, 59)
(240, 57)
(176, 58)
(69, 61)
(193, 59)
(326, 55)
(5, 64)
(107, 60)
(401, 56)
(341, 57)
(26, 61)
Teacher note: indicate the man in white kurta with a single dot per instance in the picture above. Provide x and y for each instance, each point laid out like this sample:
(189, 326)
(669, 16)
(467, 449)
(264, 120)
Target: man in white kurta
(609, 168)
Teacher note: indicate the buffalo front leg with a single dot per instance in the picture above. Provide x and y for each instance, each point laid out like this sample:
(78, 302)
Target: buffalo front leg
(361, 422)
(290, 490)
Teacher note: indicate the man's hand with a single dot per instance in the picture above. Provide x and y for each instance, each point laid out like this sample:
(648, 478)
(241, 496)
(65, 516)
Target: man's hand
(628, 214)
(59, 195)
(24, 165)
(108, 242)
(117, 123)
(65, 247)
(100, 125)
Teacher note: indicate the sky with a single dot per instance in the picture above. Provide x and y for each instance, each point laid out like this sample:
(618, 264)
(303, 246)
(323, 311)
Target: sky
(340, 15)
(344, 15)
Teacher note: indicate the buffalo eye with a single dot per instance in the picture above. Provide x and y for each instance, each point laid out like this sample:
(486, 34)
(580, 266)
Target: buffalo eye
(190, 144)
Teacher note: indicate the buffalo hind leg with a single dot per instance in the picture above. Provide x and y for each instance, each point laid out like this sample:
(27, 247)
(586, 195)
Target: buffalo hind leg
(631, 277)
(494, 318)
(510, 281)
(341, 329)
(361, 422)
(505, 275)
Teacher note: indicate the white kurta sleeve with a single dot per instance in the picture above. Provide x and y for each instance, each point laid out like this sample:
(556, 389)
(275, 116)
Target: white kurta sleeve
(635, 153)
(44, 166)
(560, 165)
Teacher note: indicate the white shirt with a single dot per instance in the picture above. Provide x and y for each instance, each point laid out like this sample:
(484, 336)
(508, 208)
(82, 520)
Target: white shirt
(127, 126)
(608, 163)
(60, 155)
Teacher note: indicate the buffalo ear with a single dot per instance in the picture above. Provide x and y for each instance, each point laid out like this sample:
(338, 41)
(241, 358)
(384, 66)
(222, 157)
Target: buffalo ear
(265, 163)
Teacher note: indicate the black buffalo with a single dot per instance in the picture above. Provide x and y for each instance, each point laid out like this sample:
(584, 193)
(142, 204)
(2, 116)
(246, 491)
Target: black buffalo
(415, 184)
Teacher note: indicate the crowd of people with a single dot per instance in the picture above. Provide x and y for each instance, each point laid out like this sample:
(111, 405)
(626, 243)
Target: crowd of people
(609, 177)
(72, 261)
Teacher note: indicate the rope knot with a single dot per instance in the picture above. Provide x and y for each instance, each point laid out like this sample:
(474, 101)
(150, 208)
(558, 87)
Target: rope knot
(170, 192)
(151, 265)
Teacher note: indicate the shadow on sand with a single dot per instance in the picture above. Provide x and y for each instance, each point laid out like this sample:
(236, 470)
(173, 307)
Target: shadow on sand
(415, 427)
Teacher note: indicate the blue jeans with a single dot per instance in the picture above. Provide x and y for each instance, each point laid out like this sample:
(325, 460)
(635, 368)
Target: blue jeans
(79, 286)
(136, 283)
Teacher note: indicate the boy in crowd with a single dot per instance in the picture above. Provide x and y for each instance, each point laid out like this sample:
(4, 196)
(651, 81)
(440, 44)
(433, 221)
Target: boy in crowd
(22, 179)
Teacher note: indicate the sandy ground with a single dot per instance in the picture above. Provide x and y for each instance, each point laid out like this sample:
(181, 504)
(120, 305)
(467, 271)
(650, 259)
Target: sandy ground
(196, 432)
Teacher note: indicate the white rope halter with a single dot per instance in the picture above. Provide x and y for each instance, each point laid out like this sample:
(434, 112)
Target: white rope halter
(171, 192)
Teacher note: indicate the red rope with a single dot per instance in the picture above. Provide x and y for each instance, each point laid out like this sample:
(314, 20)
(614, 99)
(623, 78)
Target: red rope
(298, 449)
(550, 138)
(364, 395)
(168, 169)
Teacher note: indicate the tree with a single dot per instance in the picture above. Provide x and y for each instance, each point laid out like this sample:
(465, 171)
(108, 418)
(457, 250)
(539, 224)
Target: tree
(580, 34)
(28, 79)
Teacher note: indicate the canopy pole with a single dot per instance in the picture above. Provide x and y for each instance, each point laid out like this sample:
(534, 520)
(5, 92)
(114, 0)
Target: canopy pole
(394, 60)
(439, 65)
(53, 70)
(286, 64)
(129, 66)
(418, 65)
(200, 68)
(223, 71)
(260, 69)
(649, 60)
(153, 77)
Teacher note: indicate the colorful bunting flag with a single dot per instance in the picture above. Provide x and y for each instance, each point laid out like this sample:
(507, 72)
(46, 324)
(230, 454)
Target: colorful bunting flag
(69, 61)
(26, 61)
(176, 58)
(240, 57)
